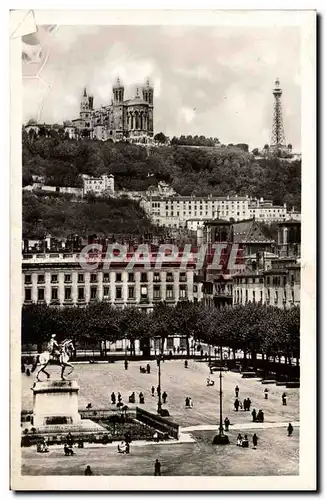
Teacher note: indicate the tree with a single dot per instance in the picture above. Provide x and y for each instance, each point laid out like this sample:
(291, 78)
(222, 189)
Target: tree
(133, 325)
(162, 323)
(161, 138)
(185, 320)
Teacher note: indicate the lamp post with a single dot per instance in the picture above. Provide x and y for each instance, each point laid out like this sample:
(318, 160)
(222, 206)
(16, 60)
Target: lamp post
(159, 403)
(221, 438)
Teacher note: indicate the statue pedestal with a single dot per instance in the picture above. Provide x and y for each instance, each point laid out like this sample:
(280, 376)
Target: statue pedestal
(55, 402)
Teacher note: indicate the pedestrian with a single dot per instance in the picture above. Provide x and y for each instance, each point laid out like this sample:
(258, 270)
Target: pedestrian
(266, 393)
(236, 404)
(153, 391)
(239, 440)
(157, 468)
(236, 390)
(186, 364)
(201, 352)
(113, 399)
(245, 442)
(126, 364)
(88, 471)
(254, 441)
(245, 402)
(248, 404)
(290, 430)
(164, 397)
(284, 399)
(187, 402)
(226, 423)
(155, 437)
(119, 397)
(174, 349)
(254, 415)
(190, 403)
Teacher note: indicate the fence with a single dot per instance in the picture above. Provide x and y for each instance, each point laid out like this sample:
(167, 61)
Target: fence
(158, 423)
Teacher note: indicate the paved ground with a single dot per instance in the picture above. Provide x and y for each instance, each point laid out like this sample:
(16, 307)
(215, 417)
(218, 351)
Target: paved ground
(97, 381)
(275, 455)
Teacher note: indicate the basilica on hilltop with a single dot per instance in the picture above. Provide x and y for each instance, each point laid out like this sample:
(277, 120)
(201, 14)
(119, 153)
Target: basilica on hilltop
(130, 119)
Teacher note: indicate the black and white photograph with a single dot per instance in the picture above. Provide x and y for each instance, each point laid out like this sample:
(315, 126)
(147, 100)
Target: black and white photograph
(163, 281)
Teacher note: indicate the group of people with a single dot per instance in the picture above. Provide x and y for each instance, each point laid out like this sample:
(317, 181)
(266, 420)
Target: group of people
(244, 441)
(124, 447)
(132, 398)
(188, 402)
(243, 406)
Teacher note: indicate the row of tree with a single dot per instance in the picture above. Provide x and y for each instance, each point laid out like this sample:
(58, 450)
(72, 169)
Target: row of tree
(253, 328)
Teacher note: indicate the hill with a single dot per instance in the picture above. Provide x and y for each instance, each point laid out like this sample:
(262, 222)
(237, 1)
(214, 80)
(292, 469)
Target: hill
(200, 171)
(60, 216)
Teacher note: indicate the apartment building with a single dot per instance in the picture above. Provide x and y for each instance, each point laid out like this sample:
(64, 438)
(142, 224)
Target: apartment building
(192, 212)
(59, 280)
(278, 286)
(98, 185)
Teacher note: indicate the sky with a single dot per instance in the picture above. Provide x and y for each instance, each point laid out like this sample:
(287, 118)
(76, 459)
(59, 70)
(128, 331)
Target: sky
(211, 81)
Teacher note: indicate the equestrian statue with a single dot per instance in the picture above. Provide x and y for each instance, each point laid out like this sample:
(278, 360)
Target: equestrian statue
(60, 353)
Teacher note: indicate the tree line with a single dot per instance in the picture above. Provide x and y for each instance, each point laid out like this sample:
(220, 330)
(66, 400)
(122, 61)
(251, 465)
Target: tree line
(219, 171)
(253, 328)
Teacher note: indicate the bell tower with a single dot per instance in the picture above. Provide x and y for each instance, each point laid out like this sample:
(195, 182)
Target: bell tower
(148, 96)
(118, 91)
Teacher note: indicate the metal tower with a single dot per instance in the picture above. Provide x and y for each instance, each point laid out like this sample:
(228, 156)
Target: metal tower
(278, 137)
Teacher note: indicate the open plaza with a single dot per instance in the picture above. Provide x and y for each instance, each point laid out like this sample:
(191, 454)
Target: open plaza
(193, 453)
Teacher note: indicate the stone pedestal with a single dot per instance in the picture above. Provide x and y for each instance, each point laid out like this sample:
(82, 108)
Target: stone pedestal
(55, 402)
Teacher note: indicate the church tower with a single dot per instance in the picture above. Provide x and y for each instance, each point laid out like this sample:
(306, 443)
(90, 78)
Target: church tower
(118, 109)
(148, 96)
(86, 110)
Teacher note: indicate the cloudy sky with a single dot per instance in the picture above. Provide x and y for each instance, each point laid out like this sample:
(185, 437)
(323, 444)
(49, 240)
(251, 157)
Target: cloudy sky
(208, 81)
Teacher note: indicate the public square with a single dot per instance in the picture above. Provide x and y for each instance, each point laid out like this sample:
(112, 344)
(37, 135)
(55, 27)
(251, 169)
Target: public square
(276, 454)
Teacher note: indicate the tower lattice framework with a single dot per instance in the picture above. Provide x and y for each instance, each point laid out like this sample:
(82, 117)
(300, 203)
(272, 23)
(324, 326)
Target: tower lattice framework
(278, 136)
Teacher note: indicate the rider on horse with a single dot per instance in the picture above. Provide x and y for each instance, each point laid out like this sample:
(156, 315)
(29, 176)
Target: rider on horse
(53, 347)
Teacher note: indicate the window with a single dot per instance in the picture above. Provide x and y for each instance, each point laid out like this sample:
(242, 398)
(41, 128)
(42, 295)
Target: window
(284, 296)
(54, 278)
(40, 294)
(28, 279)
(169, 292)
(67, 293)
(143, 277)
(156, 277)
(67, 278)
(93, 292)
(28, 294)
(106, 277)
(292, 279)
(246, 296)
(106, 292)
(41, 278)
(261, 296)
(170, 343)
(195, 288)
(54, 294)
(93, 278)
(276, 297)
(131, 292)
(292, 295)
(143, 292)
(118, 292)
(182, 292)
(81, 293)
(157, 292)
(253, 296)
(118, 276)
(169, 277)
(131, 277)
(183, 277)
(80, 278)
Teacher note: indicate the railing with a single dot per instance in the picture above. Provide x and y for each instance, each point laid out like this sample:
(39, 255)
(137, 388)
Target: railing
(157, 422)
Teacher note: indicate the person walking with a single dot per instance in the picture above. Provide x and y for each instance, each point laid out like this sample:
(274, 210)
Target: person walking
(248, 404)
(157, 468)
(284, 399)
(153, 391)
(236, 405)
(164, 397)
(88, 471)
(254, 415)
(254, 441)
(290, 430)
(236, 390)
(226, 424)
(266, 393)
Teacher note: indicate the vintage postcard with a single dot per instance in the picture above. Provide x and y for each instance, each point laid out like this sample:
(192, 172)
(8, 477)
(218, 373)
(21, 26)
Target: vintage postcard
(163, 289)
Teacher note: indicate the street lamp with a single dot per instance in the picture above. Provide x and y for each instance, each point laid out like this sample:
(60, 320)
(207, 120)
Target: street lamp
(159, 358)
(221, 438)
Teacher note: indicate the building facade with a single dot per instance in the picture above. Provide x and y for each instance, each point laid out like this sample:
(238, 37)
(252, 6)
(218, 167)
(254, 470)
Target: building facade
(98, 185)
(192, 211)
(60, 280)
